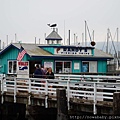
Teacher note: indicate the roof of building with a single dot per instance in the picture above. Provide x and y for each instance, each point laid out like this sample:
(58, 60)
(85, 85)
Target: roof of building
(100, 53)
(34, 50)
(65, 46)
(53, 36)
(31, 49)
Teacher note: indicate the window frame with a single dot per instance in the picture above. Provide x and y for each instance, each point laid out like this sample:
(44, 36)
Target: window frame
(90, 66)
(64, 65)
(12, 67)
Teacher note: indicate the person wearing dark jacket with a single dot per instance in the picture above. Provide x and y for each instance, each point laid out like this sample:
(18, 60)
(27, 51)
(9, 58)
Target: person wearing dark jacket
(50, 74)
(38, 72)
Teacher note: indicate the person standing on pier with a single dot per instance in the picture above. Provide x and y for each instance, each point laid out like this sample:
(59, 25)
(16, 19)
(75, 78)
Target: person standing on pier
(50, 74)
(38, 72)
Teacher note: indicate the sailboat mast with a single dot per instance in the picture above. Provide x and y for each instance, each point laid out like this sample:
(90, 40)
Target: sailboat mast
(74, 38)
(107, 40)
(82, 39)
(7, 39)
(117, 66)
(93, 35)
(85, 34)
(64, 32)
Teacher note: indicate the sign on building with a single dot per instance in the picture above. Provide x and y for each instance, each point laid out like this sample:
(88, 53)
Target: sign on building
(73, 51)
(23, 69)
(48, 64)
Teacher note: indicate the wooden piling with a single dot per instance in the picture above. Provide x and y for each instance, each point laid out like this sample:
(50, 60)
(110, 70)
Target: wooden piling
(62, 108)
(116, 103)
(0, 92)
(0, 102)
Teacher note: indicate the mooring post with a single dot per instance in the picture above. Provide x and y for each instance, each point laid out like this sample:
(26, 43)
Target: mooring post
(0, 92)
(116, 103)
(62, 109)
(0, 102)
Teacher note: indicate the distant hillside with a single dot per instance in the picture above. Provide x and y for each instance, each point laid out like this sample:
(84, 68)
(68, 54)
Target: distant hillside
(102, 46)
(112, 47)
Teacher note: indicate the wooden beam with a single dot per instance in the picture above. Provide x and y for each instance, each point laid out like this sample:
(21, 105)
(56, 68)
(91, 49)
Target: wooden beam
(62, 109)
(116, 103)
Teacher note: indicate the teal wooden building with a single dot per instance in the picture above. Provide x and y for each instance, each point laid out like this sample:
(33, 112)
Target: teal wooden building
(62, 58)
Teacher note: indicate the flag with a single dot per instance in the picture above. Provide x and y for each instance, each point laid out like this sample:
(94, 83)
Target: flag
(21, 54)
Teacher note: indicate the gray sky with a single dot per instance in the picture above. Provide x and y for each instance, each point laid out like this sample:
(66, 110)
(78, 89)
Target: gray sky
(29, 18)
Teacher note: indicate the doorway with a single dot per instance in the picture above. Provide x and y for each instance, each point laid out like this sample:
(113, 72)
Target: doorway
(32, 66)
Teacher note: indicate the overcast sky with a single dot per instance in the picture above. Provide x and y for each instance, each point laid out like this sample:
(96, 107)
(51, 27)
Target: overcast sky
(29, 18)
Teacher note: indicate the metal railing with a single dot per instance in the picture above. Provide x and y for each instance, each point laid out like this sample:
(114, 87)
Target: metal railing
(90, 87)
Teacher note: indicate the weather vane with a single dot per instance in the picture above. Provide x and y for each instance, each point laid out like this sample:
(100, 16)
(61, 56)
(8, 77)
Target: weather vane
(52, 25)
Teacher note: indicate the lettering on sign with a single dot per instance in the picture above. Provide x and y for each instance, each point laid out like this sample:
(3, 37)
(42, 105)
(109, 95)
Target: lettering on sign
(73, 51)
(23, 63)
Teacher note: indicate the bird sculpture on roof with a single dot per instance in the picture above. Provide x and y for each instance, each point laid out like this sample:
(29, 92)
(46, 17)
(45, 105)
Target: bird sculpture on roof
(52, 25)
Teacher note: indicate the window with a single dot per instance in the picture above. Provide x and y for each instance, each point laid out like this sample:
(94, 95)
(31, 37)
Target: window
(63, 66)
(12, 67)
(89, 66)
(59, 66)
(93, 66)
(52, 42)
(57, 41)
(85, 67)
(48, 42)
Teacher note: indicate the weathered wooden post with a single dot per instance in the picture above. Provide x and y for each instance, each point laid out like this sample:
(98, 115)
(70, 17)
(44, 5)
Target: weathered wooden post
(62, 109)
(0, 92)
(116, 103)
(0, 102)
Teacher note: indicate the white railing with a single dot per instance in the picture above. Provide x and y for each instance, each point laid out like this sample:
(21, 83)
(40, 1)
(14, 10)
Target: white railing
(88, 87)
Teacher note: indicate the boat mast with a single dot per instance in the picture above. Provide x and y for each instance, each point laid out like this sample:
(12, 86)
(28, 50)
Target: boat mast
(74, 38)
(7, 40)
(82, 39)
(107, 40)
(85, 34)
(15, 37)
(64, 32)
(117, 66)
(93, 35)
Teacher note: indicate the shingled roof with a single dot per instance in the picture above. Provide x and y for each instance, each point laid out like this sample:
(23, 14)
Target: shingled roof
(34, 50)
(31, 49)
(53, 36)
